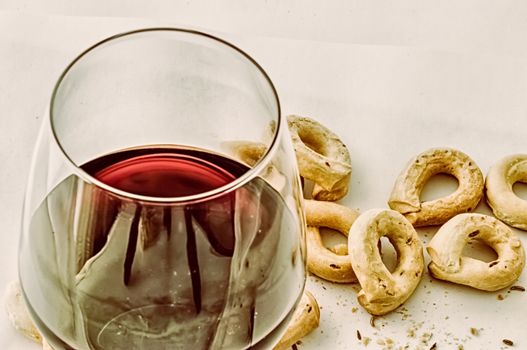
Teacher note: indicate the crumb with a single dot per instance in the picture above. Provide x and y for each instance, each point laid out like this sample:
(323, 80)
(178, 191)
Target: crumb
(508, 342)
(460, 347)
(324, 287)
(366, 340)
(500, 297)
(434, 346)
(354, 309)
(474, 331)
(380, 342)
(426, 337)
(359, 336)
(372, 321)
(518, 288)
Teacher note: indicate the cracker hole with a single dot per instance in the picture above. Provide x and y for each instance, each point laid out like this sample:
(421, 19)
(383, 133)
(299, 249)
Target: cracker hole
(389, 255)
(520, 189)
(312, 142)
(331, 238)
(479, 250)
(307, 188)
(439, 185)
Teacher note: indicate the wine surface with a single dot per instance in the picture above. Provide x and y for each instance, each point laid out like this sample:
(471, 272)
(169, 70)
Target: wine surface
(165, 172)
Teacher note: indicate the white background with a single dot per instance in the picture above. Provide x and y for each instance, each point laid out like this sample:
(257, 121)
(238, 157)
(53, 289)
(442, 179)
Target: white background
(391, 78)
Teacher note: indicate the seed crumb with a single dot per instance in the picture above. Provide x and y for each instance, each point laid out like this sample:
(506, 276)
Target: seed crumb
(518, 288)
(474, 331)
(500, 297)
(359, 336)
(473, 234)
(508, 342)
(372, 321)
(366, 340)
(434, 346)
(354, 309)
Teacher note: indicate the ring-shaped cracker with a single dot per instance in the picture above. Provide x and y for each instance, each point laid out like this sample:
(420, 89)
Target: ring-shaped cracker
(305, 319)
(250, 153)
(383, 291)
(320, 260)
(505, 204)
(408, 186)
(18, 313)
(449, 264)
(322, 157)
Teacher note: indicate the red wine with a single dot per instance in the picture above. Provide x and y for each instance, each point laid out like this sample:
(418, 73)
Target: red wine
(165, 172)
(222, 272)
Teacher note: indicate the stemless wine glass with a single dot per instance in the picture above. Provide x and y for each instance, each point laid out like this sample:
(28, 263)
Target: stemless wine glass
(164, 208)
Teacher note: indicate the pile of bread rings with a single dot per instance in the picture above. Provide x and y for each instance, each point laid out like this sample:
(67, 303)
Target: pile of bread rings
(324, 159)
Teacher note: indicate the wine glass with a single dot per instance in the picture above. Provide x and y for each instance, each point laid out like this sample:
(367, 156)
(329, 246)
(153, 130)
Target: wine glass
(145, 226)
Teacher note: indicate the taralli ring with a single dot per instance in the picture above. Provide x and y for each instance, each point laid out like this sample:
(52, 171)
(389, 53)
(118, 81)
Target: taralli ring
(408, 186)
(247, 151)
(250, 153)
(305, 319)
(321, 261)
(383, 291)
(322, 157)
(505, 204)
(18, 313)
(448, 264)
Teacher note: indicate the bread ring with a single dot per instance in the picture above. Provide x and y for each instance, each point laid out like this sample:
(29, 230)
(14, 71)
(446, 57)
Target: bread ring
(18, 314)
(408, 186)
(305, 319)
(250, 153)
(321, 261)
(505, 204)
(448, 264)
(247, 151)
(383, 291)
(321, 156)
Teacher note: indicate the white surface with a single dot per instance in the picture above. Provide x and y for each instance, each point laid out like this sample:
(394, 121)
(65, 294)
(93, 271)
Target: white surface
(435, 75)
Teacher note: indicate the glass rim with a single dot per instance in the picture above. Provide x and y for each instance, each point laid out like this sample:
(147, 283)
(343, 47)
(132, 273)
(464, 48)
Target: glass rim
(199, 197)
